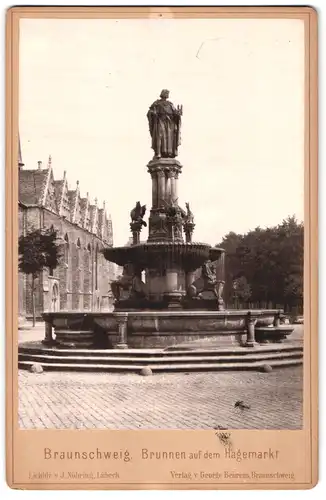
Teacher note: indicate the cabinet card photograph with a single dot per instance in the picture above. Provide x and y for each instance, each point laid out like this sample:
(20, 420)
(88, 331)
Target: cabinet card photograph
(161, 248)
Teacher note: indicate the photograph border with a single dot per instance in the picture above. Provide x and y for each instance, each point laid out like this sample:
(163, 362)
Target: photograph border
(309, 16)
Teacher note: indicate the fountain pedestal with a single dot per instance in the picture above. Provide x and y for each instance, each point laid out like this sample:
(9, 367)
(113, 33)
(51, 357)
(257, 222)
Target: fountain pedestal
(164, 173)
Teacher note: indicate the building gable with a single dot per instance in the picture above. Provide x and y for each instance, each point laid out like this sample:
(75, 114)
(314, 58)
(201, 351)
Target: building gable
(65, 202)
(50, 194)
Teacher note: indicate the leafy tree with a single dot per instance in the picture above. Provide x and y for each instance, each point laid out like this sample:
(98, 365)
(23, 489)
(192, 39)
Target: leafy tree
(270, 262)
(230, 243)
(292, 242)
(241, 290)
(37, 250)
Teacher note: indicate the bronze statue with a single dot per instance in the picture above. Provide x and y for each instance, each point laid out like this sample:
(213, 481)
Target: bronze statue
(207, 282)
(173, 209)
(138, 213)
(130, 282)
(165, 126)
(189, 215)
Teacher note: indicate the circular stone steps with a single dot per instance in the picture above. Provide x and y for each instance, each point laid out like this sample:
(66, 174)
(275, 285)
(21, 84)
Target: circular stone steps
(133, 360)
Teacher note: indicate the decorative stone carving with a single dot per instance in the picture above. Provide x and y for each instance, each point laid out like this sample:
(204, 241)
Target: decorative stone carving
(219, 290)
(174, 216)
(158, 228)
(189, 215)
(129, 285)
(137, 214)
(137, 221)
(188, 224)
(207, 282)
(165, 126)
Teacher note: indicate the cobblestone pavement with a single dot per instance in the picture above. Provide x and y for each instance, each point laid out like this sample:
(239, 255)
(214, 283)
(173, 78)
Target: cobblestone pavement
(72, 400)
(30, 333)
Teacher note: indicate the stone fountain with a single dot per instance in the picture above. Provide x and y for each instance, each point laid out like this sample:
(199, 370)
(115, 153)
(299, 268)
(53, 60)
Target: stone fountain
(169, 299)
(181, 276)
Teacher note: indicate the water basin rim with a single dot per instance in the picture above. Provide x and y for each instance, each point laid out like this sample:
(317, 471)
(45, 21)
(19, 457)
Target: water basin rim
(188, 312)
(168, 244)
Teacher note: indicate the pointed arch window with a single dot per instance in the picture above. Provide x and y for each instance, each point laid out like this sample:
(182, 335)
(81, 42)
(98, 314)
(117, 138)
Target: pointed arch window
(51, 269)
(78, 245)
(89, 253)
(66, 249)
(96, 268)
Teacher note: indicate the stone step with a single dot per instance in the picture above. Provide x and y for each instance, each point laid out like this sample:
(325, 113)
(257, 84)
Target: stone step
(255, 356)
(143, 353)
(186, 367)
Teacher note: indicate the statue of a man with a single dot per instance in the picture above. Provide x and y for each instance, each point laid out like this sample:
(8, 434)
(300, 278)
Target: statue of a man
(165, 126)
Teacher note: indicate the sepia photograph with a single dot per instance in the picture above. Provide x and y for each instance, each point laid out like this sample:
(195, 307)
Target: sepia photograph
(161, 223)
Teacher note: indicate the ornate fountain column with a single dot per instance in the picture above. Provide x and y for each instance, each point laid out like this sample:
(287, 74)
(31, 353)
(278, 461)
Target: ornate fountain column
(164, 227)
(164, 173)
(154, 189)
(135, 228)
(188, 228)
(168, 185)
(122, 320)
(161, 187)
(174, 175)
(172, 295)
(250, 323)
(171, 280)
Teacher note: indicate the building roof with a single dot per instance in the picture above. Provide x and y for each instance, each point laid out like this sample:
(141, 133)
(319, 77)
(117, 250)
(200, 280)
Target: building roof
(59, 185)
(38, 187)
(31, 185)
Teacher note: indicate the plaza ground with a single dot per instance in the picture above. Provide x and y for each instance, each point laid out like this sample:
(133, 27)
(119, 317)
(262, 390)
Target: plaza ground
(77, 400)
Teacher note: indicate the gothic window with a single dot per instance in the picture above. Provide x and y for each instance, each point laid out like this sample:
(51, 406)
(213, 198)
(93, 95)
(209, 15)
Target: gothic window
(96, 268)
(78, 245)
(55, 297)
(51, 269)
(89, 252)
(66, 249)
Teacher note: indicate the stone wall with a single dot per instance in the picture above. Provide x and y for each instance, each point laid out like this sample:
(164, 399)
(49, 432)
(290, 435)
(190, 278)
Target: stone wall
(83, 275)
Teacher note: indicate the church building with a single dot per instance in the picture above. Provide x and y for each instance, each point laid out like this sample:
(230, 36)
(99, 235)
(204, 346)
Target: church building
(81, 282)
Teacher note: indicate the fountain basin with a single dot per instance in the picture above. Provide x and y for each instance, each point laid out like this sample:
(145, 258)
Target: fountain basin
(152, 329)
(188, 256)
(272, 334)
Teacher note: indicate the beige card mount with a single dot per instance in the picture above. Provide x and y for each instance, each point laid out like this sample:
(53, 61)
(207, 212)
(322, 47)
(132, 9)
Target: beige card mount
(161, 239)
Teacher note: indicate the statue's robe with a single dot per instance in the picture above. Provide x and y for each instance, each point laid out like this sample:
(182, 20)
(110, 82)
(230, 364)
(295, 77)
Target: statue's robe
(164, 125)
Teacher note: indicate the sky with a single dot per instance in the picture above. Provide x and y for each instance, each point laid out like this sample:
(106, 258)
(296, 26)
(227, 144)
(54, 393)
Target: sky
(86, 86)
